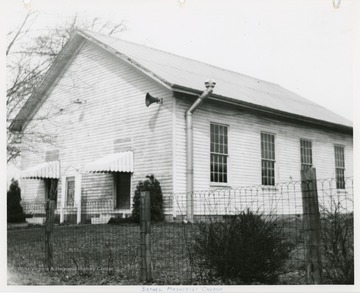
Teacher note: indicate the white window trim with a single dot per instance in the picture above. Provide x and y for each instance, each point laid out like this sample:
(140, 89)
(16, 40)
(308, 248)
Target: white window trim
(77, 195)
(312, 151)
(340, 190)
(220, 184)
(276, 171)
(67, 179)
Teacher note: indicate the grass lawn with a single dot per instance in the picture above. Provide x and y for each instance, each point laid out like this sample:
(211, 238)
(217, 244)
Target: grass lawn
(95, 255)
(103, 255)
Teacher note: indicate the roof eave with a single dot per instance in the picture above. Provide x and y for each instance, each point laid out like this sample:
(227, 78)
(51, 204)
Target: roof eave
(59, 66)
(269, 111)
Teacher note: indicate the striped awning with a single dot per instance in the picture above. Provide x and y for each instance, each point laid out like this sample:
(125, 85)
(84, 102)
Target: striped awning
(44, 170)
(118, 162)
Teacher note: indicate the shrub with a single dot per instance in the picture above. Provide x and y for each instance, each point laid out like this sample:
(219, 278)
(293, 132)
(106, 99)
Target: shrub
(245, 249)
(15, 213)
(156, 199)
(337, 235)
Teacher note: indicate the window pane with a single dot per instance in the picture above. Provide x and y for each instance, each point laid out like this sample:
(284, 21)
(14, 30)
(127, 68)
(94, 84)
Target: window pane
(219, 151)
(306, 154)
(212, 138)
(339, 157)
(267, 146)
(267, 172)
(340, 167)
(268, 159)
(70, 191)
(340, 179)
(218, 168)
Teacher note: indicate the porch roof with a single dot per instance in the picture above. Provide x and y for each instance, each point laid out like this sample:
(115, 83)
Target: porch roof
(118, 162)
(43, 170)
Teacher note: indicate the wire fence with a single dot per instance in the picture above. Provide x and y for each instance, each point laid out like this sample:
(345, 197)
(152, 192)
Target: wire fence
(280, 204)
(88, 253)
(105, 247)
(336, 207)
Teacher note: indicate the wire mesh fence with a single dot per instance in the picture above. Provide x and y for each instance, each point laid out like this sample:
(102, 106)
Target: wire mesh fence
(88, 252)
(219, 209)
(336, 207)
(333, 200)
(105, 248)
(279, 199)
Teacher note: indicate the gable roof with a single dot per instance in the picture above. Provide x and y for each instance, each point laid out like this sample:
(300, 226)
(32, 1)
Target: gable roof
(187, 75)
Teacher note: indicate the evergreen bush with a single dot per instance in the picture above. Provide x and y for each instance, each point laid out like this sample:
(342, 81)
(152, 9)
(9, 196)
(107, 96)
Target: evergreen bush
(15, 213)
(152, 185)
(245, 249)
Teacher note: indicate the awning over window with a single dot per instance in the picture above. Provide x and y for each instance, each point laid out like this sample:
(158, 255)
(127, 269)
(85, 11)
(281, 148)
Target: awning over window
(44, 170)
(118, 162)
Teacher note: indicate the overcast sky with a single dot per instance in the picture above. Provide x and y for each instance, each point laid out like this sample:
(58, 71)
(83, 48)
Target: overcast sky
(306, 46)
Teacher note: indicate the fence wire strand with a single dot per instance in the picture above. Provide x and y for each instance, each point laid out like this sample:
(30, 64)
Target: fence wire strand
(101, 250)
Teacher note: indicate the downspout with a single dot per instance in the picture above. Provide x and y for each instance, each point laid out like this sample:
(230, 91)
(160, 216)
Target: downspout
(190, 152)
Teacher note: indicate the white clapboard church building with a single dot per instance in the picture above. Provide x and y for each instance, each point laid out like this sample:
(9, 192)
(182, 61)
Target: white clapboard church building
(233, 130)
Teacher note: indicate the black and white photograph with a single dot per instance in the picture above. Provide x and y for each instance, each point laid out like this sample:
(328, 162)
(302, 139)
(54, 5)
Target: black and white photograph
(180, 145)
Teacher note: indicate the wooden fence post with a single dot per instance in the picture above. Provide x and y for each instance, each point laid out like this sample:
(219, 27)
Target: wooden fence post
(145, 233)
(311, 218)
(49, 223)
(49, 227)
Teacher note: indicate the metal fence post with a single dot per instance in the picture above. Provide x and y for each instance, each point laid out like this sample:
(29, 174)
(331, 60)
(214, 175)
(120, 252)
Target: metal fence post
(312, 241)
(145, 234)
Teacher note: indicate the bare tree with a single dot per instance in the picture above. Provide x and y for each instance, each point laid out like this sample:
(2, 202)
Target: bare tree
(28, 59)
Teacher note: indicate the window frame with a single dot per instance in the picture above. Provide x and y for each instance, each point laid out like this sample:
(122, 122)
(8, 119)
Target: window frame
(340, 180)
(70, 179)
(272, 160)
(302, 163)
(224, 144)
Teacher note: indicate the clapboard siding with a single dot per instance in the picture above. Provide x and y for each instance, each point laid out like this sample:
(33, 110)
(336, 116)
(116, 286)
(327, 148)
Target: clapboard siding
(245, 150)
(109, 106)
(112, 95)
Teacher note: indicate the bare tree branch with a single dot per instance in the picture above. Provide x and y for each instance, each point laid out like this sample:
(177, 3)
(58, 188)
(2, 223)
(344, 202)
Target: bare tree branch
(18, 32)
(27, 64)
